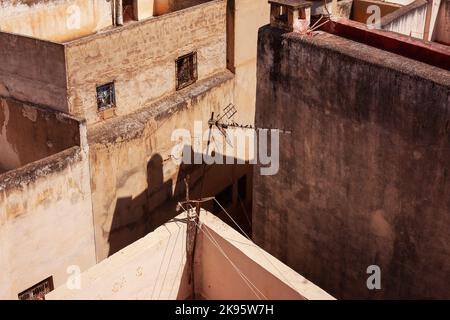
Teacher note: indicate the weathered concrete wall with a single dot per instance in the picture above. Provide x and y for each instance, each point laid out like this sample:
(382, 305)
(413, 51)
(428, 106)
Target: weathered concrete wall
(33, 70)
(45, 221)
(140, 58)
(364, 178)
(29, 133)
(133, 173)
(217, 279)
(55, 20)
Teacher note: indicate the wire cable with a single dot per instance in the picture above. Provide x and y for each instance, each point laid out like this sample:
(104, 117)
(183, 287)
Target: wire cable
(238, 271)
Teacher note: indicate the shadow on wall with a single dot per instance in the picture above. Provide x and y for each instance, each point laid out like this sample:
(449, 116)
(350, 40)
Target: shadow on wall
(135, 217)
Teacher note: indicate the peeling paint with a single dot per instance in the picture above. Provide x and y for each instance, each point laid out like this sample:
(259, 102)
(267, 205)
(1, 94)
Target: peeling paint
(9, 158)
(30, 113)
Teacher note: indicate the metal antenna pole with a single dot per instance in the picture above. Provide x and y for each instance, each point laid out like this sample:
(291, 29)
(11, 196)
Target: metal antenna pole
(207, 152)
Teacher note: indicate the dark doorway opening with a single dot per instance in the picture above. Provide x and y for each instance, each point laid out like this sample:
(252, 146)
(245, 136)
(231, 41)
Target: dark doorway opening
(128, 10)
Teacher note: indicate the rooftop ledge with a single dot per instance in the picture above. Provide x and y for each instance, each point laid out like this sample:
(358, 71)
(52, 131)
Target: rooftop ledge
(431, 53)
(114, 29)
(155, 268)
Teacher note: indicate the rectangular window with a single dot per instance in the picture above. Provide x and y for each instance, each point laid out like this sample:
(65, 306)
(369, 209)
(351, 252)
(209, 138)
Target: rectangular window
(106, 96)
(186, 70)
(38, 291)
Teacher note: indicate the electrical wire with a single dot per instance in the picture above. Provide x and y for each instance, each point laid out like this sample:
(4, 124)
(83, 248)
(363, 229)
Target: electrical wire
(247, 281)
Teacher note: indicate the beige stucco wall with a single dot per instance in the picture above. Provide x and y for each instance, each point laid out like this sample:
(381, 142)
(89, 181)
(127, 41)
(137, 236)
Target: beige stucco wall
(140, 58)
(45, 221)
(143, 9)
(152, 268)
(55, 20)
(249, 16)
(133, 173)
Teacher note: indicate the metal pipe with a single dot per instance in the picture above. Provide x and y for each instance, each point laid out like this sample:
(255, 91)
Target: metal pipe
(119, 13)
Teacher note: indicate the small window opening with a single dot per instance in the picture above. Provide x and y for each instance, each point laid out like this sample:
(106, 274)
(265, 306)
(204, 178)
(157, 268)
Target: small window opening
(186, 70)
(128, 10)
(106, 96)
(38, 291)
(282, 14)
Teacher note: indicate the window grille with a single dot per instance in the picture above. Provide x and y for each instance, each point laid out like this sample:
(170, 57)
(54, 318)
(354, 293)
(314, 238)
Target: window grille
(106, 96)
(38, 291)
(186, 69)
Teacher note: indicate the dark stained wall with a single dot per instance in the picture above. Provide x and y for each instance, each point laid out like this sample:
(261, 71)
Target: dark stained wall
(29, 133)
(33, 70)
(365, 176)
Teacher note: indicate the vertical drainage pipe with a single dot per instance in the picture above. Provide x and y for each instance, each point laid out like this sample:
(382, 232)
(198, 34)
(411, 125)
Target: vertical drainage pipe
(119, 13)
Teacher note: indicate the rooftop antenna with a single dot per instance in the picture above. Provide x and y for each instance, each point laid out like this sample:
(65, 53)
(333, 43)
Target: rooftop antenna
(222, 125)
(193, 207)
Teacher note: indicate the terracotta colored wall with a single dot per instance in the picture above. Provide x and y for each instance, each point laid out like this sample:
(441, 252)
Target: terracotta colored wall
(364, 177)
(359, 9)
(221, 251)
(166, 6)
(442, 28)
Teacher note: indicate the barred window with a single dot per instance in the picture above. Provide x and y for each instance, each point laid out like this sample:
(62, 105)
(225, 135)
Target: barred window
(38, 291)
(186, 69)
(106, 96)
